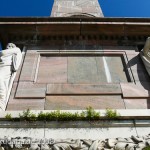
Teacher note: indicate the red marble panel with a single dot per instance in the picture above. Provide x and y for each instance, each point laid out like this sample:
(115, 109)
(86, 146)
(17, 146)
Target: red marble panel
(30, 90)
(24, 104)
(52, 70)
(83, 89)
(81, 102)
(29, 67)
(137, 103)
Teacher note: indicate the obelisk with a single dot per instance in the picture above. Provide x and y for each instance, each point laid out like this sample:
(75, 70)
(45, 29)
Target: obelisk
(70, 8)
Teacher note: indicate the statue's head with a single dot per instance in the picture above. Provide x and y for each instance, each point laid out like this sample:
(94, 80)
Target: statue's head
(10, 45)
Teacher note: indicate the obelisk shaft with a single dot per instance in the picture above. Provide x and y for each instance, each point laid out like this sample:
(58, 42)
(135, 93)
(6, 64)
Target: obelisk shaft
(67, 8)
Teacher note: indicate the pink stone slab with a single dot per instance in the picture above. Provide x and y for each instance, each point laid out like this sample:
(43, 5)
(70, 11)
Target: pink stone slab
(82, 102)
(112, 53)
(29, 67)
(138, 90)
(137, 103)
(83, 89)
(52, 70)
(24, 104)
(30, 90)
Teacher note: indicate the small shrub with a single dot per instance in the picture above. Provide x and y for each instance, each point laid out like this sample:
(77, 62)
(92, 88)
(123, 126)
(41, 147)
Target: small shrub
(90, 114)
(41, 116)
(67, 116)
(28, 116)
(112, 114)
(32, 117)
(52, 116)
(8, 116)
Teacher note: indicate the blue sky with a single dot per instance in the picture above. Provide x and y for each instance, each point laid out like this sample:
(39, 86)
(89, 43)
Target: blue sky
(126, 8)
(111, 8)
(25, 7)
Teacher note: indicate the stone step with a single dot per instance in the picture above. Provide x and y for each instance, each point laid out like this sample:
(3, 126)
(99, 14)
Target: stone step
(83, 89)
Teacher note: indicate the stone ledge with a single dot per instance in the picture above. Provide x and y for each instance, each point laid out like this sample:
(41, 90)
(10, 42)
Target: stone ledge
(124, 114)
(73, 124)
(83, 89)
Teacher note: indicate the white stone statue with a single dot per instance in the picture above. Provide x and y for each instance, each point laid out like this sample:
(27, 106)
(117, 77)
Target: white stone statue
(10, 59)
(145, 55)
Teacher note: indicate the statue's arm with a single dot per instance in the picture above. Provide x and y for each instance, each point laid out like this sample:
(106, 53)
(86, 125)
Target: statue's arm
(11, 51)
(16, 60)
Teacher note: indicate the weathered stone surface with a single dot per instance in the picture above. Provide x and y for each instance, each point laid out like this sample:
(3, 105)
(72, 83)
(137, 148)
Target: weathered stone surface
(137, 103)
(138, 90)
(81, 102)
(52, 70)
(116, 68)
(30, 90)
(81, 74)
(83, 89)
(82, 70)
(24, 104)
(29, 67)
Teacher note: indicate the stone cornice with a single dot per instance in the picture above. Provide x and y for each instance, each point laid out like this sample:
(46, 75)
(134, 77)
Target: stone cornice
(126, 30)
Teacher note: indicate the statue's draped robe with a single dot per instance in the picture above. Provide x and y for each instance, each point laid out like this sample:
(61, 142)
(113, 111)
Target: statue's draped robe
(10, 60)
(145, 55)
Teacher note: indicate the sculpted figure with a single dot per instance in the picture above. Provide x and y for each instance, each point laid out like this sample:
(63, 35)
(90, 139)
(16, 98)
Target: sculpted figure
(10, 59)
(145, 55)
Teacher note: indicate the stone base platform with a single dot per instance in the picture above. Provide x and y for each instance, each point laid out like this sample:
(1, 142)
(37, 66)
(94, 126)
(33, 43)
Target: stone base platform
(111, 77)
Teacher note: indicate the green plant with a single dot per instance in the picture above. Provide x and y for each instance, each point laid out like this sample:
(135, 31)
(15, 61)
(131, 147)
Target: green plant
(112, 114)
(90, 114)
(146, 148)
(32, 117)
(52, 116)
(67, 116)
(8, 116)
(58, 116)
(28, 116)
(41, 116)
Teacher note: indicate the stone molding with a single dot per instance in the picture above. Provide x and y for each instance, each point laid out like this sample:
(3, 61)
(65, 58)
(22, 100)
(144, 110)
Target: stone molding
(28, 143)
